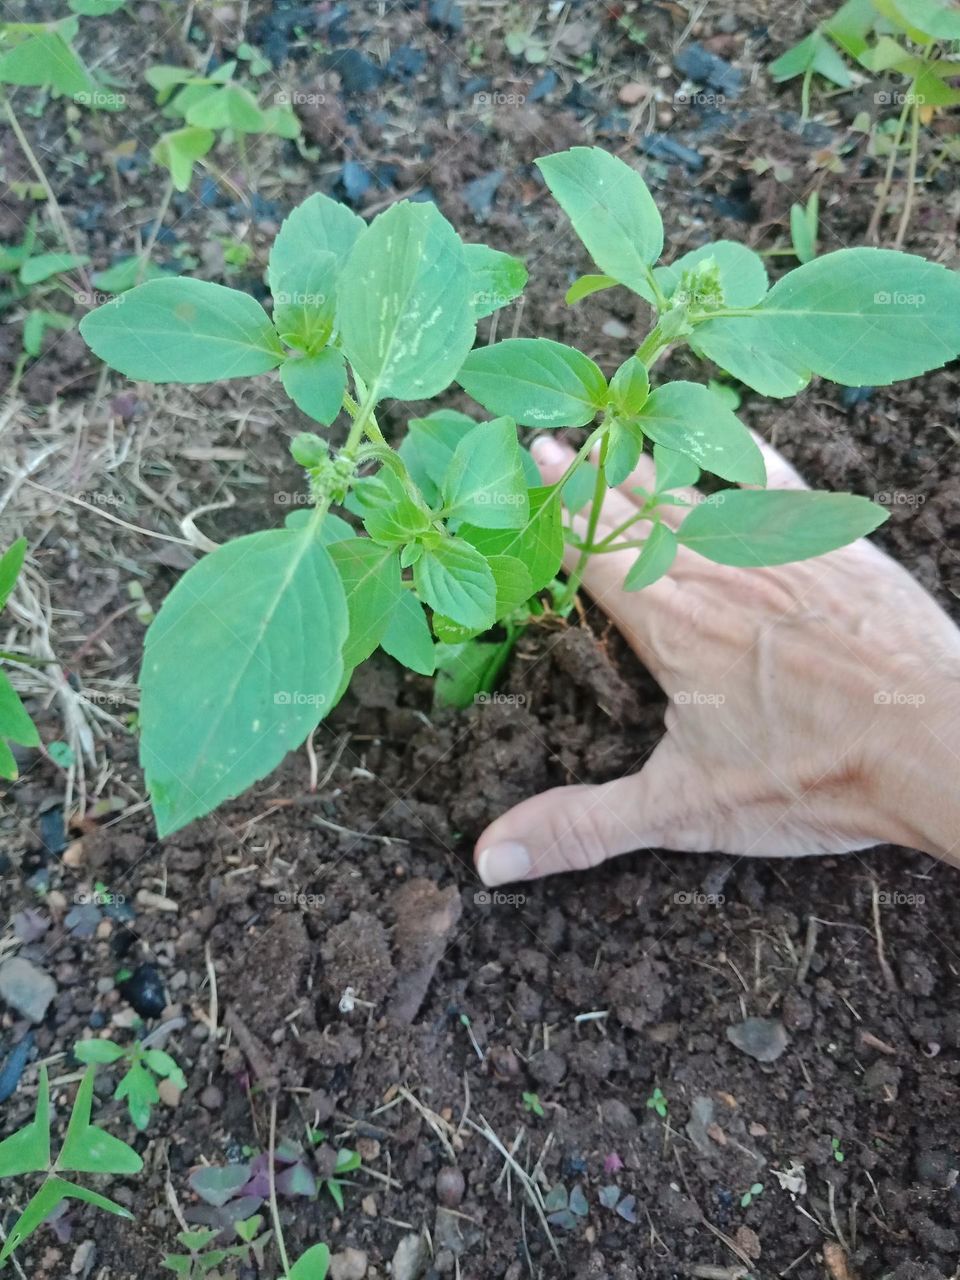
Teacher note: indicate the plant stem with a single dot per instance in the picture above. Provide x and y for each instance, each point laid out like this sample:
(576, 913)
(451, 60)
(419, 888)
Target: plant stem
(878, 209)
(599, 491)
(651, 346)
(274, 1208)
(52, 202)
(911, 177)
(155, 231)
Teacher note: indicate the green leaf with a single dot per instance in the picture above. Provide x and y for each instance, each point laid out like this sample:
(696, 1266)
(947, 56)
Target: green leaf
(484, 483)
(11, 562)
(15, 724)
(629, 387)
(742, 348)
(496, 278)
(389, 514)
(624, 446)
(43, 1204)
(124, 274)
(370, 574)
(743, 275)
(673, 470)
(466, 669)
(514, 584)
(804, 222)
(813, 53)
(313, 242)
(578, 489)
(163, 1065)
(858, 317)
(36, 325)
(756, 527)
(229, 106)
(851, 24)
(179, 150)
(535, 381)
(28, 1150)
(404, 310)
(46, 60)
(612, 212)
(240, 664)
(539, 544)
(141, 1093)
(183, 330)
(429, 446)
(585, 286)
(937, 21)
(655, 559)
(454, 579)
(304, 302)
(89, 1149)
(95, 8)
(44, 265)
(407, 637)
(98, 1051)
(312, 1265)
(316, 383)
(687, 417)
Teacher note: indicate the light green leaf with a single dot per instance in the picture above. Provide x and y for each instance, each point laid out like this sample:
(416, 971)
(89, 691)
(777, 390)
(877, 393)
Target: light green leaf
(163, 1065)
(673, 470)
(429, 446)
(141, 1093)
(312, 1265)
(484, 483)
(229, 106)
(535, 381)
(624, 446)
(629, 387)
(851, 24)
(804, 223)
(44, 265)
(28, 1150)
(99, 1051)
(11, 562)
(89, 1149)
(36, 324)
(939, 21)
(304, 302)
(455, 579)
(742, 273)
(312, 244)
(813, 53)
(316, 383)
(539, 544)
(15, 724)
(612, 212)
(578, 489)
(179, 150)
(389, 514)
(404, 312)
(467, 669)
(240, 664)
(687, 417)
(43, 1204)
(753, 527)
(46, 60)
(514, 584)
(95, 8)
(370, 574)
(585, 286)
(124, 274)
(656, 557)
(495, 278)
(183, 330)
(742, 348)
(407, 637)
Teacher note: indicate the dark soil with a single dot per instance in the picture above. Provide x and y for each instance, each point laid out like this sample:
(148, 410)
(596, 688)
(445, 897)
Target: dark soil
(289, 897)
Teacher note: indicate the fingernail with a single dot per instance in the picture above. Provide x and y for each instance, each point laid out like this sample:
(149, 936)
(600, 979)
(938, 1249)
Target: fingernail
(548, 450)
(501, 863)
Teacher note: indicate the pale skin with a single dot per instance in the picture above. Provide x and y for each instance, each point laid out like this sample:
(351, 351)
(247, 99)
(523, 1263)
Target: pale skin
(812, 708)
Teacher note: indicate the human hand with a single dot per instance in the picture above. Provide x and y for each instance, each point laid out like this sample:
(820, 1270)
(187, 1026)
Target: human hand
(813, 708)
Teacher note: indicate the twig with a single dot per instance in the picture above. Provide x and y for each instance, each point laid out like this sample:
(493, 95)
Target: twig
(809, 947)
(525, 1181)
(214, 1013)
(888, 976)
(253, 1050)
(274, 1207)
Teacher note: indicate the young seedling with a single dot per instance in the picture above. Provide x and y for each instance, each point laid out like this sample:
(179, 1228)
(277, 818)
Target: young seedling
(624, 1206)
(752, 1193)
(837, 1150)
(468, 1026)
(458, 533)
(202, 1256)
(564, 1210)
(805, 228)
(144, 1067)
(347, 1161)
(658, 1103)
(86, 1149)
(15, 725)
(532, 1103)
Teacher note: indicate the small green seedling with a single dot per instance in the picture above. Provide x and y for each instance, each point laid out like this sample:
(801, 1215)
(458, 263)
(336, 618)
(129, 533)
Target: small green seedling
(42, 55)
(805, 228)
(466, 1023)
(837, 1150)
(201, 1257)
(143, 1067)
(532, 1103)
(86, 1149)
(753, 1192)
(566, 1210)
(658, 1103)
(434, 550)
(524, 43)
(15, 725)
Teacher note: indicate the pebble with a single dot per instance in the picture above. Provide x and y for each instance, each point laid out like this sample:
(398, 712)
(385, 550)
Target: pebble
(211, 1097)
(155, 901)
(169, 1093)
(82, 1261)
(762, 1038)
(450, 1186)
(615, 329)
(348, 1264)
(410, 1258)
(26, 988)
(144, 991)
(633, 92)
(369, 1206)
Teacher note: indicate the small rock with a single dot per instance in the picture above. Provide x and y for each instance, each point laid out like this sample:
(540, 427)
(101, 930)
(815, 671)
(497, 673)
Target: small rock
(762, 1038)
(369, 1206)
(479, 193)
(82, 1262)
(615, 329)
(548, 1067)
(211, 1098)
(617, 1117)
(144, 991)
(696, 63)
(633, 92)
(26, 988)
(700, 1123)
(749, 1242)
(410, 1258)
(155, 901)
(348, 1264)
(368, 1149)
(450, 1186)
(169, 1093)
(357, 73)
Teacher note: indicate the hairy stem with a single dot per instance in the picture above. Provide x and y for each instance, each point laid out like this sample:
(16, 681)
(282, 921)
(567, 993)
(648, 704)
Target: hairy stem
(873, 226)
(911, 177)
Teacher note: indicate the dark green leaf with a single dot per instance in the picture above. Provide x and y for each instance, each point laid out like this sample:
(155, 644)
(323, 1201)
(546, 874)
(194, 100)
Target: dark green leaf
(495, 278)
(370, 574)
(654, 560)
(624, 446)
(535, 381)
(28, 1150)
(455, 579)
(312, 1265)
(484, 483)
(539, 544)
(687, 417)
(316, 383)
(407, 637)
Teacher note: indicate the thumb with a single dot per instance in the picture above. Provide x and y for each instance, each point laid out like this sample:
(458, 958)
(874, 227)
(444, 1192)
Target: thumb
(574, 828)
